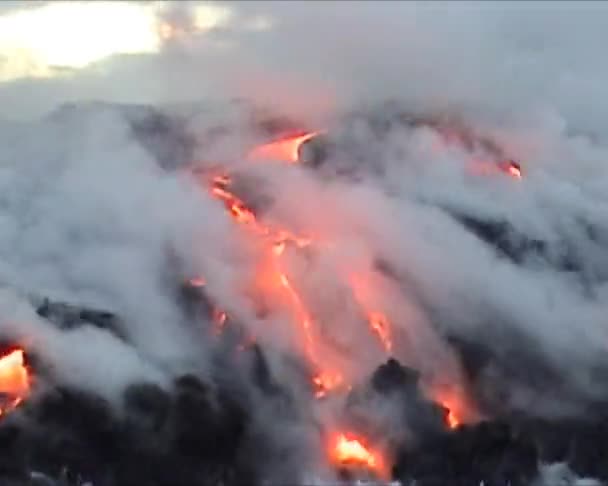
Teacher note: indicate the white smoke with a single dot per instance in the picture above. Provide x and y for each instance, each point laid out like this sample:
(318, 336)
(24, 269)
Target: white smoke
(88, 217)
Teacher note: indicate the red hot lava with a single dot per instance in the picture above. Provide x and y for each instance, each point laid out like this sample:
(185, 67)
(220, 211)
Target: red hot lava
(512, 168)
(275, 282)
(284, 150)
(346, 450)
(14, 380)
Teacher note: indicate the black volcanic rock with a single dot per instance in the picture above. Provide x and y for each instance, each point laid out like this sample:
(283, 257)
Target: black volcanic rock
(68, 316)
(398, 383)
(147, 406)
(195, 302)
(392, 376)
(578, 251)
(487, 452)
(518, 377)
(508, 242)
(207, 423)
(165, 137)
(392, 407)
(316, 151)
(190, 434)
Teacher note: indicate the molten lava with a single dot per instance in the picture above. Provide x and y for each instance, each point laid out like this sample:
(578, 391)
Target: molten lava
(509, 167)
(325, 382)
(452, 420)
(273, 282)
(303, 316)
(14, 380)
(457, 404)
(350, 451)
(237, 208)
(513, 169)
(380, 325)
(197, 282)
(219, 319)
(285, 149)
(378, 321)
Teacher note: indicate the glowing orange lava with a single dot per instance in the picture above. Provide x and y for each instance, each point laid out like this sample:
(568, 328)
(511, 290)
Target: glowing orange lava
(482, 167)
(14, 380)
(197, 282)
(458, 407)
(326, 382)
(219, 319)
(452, 420)
(237, 208)
(350, 451)
(379, 323)
(514, 171)
(273, 282)
(302, 314)
(278, 241)
(286, 149)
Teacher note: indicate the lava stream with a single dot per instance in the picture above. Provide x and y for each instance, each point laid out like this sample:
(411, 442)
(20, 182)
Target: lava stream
(349, 451)
(378, 321)
(380, 325)
(14, 380)
(286, 149)
(345, 450)
(324, 380)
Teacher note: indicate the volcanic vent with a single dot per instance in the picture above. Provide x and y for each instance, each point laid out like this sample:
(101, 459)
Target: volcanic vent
(321, 305)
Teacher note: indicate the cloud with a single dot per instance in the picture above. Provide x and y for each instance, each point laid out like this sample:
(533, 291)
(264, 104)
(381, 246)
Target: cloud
(540, 57)
(12, 6)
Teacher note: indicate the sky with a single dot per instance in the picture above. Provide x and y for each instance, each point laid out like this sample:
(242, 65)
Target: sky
(506, 60)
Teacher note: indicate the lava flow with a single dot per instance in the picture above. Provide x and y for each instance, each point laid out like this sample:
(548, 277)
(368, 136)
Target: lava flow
(326, 379)
(278, 239)
(348, 451)
(14, 380)
(274, 282)
(512, 168)
(285, 149)
(378, 321)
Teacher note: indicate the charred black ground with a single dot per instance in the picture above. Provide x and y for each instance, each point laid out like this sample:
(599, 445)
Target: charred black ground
(201, 431)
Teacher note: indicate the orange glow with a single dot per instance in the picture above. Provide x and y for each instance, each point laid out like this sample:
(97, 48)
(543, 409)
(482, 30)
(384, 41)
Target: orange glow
(459, 409)
(285, 149)
(326, 382)
(275, 284)
(452, 420)
(278, 248)
(272, 272)
(379, 323)
(238, 209)
(219, 319)
(514, 171)
(197, 282)
(350, 451)
(14, 380)
(486, 168)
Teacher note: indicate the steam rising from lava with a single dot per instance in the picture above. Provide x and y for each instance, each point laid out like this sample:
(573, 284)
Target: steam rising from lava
(14, 380)
(337, 268)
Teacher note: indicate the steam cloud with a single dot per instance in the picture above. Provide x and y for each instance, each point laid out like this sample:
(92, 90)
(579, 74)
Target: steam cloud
(89, 216)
